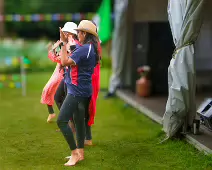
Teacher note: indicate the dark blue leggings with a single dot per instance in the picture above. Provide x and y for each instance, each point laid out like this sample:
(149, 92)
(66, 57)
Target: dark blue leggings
(73, 107)
(60, 94)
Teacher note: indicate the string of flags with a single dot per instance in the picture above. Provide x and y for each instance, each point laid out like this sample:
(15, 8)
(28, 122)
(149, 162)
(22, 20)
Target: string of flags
(45, 17)
(11, 81)
(13, 61)
(13, 77)
(10, 85)
(14, 80)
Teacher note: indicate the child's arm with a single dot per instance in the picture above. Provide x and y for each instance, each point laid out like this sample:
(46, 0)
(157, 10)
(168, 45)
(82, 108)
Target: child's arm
(52, 54)
(54, 57)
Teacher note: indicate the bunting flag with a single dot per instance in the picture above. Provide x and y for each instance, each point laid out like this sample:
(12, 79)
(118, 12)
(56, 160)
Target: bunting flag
(10, 85)
(14, 62)
(12, 77)
(14, 80)
(11, 81)
(45, 17)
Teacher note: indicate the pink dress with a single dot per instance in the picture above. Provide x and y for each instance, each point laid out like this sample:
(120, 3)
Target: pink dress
(50, 88)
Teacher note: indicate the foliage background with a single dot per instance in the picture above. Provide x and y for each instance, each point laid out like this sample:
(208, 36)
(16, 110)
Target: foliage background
(30, 39)
(44, 29)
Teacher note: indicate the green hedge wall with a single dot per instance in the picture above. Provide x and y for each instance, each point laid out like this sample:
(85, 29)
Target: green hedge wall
(36, 52)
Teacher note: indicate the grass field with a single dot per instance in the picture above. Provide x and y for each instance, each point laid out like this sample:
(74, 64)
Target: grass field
(124, 139)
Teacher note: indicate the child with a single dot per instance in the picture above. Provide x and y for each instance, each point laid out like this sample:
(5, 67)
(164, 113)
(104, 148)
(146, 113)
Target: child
(55, 81)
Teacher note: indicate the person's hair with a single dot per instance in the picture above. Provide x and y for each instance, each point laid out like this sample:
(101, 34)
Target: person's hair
(89, 38)
(74, 36)
(99, 46)
(94, 24)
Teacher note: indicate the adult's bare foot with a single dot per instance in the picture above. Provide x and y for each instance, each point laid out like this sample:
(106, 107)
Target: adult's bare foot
(88, 143)
(81, 154)
(50, 117)
(75, 157)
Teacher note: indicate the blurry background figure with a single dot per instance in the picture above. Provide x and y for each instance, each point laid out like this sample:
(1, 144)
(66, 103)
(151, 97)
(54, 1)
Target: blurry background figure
(119, 42)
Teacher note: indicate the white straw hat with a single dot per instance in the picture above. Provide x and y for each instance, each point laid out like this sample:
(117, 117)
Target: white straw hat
(70, 27)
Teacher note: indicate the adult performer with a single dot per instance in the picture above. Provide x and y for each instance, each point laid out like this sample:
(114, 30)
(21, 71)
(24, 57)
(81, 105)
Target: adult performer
(79, 86)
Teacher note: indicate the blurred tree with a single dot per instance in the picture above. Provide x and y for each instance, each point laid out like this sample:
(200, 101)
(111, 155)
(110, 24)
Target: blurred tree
(1, 23)
(53, 6)
(49, 29)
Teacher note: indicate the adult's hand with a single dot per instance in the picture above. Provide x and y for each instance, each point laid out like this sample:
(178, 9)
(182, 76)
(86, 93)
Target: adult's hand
(71, 41)
(63, 37)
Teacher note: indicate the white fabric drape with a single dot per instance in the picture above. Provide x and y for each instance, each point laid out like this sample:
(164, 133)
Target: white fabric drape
(185, 17)
(119, 43)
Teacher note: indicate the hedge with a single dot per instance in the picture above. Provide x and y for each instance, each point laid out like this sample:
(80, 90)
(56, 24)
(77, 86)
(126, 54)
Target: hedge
(36, 52)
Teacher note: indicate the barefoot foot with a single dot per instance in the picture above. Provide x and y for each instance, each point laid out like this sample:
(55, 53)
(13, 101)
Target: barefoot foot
(74, 158)
(50, 117)
(88, 143)
(81, 154)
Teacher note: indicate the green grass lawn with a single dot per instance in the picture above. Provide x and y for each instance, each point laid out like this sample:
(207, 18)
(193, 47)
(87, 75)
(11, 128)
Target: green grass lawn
(124, 139)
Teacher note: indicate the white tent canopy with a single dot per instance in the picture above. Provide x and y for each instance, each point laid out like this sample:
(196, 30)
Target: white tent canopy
(185, 17)
(119, 43)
